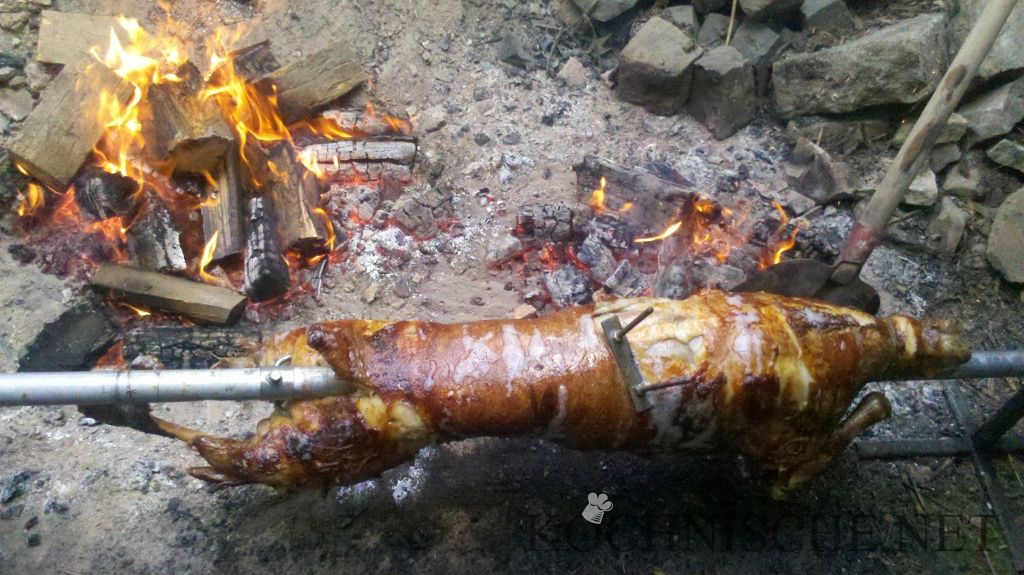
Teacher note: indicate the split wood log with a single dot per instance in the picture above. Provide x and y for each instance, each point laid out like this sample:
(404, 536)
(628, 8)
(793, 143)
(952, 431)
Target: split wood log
(186, 131)
(312, 82)
(222, 210)
(255, 62)
(201, 302)
(396, 150)
(369, 123)
(61, 132)
(68, 37)
(656, 202)
(191, 347)
(154, 241)
(103, 195)
(266, 272)
(293, 195)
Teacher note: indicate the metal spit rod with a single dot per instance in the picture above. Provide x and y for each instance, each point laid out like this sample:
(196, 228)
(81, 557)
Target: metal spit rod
(279, 383)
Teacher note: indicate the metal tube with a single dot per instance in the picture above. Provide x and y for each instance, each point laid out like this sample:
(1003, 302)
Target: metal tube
(278, 383)
(107, 387)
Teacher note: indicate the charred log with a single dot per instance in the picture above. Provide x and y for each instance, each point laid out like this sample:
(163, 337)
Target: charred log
(190, 347)
(394, 150)
(625, 281)
(655, 202)
(154, 242)
(266, 272)
(552, 222)
(598, 258)
(72, 342)
(368, 123)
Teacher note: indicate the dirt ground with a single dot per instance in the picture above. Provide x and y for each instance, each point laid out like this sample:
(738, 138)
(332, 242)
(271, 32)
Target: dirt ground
(84, 499)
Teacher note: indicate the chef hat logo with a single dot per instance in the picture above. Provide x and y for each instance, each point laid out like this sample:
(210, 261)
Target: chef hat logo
(596, 507)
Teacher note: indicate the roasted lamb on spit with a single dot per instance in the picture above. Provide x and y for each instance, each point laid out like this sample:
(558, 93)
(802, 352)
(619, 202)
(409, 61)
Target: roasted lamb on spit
(767, 377)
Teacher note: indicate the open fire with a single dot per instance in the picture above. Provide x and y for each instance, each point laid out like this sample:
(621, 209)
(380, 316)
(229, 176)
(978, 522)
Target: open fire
(209, 174)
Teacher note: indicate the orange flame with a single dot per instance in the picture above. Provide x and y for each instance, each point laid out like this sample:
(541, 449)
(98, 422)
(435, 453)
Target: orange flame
(208, 250)
(31, 201)
(776, 251)
(597, 198)
(668, 232)
(138, 311)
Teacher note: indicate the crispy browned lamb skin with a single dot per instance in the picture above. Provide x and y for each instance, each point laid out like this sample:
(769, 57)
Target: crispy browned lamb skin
(767, 377)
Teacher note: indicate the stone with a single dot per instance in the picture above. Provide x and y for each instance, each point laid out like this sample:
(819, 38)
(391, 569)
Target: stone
(37, 76)
(923, 190)
(953, 131)
(713, 30)
(573, 73)
(963, 185)
(947, 228)
(760, 45)
(16, 104)
(994, 113)
(1007, 153)
(504, 250)
(685, 17)
(831, 16)
(769, 9)
(898, 64)
(1007, 54)
(943, 156)
(14, 21)
(723, 97)
(1006, 240)
(838, 135)
(6, 73)
(795, 202)
(656, 67)
(604, 10)
(811, 171)
(432, 119)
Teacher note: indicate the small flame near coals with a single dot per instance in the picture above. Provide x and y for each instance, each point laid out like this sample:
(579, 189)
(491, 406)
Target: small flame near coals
(208, 250)
(668, 232)
(780, 245)
(31, 201)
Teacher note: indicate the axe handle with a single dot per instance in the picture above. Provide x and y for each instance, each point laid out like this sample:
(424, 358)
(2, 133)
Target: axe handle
(870, 229)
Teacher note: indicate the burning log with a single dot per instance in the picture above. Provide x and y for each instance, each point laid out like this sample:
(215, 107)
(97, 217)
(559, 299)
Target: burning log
(104, 195)
(653, 202)
(222, 211)
(255, 62)
(552, 222)
(366, 172)
(190, 347)
(201, 302)
(316, 80)
(568, 286)
(368, 123)
(153, 240)
(395, 150)
(266, 272)
(186, 131)
(293, 194)
(612, 231)
(67, 37)
(62, 130)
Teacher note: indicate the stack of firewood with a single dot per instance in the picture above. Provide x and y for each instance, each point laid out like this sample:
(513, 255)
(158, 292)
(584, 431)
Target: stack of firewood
(253, 211)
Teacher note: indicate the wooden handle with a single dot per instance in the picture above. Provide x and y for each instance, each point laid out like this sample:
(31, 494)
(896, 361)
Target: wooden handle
(914, 153)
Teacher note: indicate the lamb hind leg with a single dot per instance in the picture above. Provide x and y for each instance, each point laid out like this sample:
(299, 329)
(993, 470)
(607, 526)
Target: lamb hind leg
(871, 410)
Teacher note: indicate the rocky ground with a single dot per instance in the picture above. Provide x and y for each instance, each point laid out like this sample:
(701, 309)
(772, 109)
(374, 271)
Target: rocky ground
(507, 97)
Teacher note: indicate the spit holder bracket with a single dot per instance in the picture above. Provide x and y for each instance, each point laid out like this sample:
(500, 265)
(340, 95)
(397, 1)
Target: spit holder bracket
(615, 334)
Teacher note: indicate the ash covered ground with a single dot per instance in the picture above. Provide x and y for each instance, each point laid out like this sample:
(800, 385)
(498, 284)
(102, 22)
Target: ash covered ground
(78, 498)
